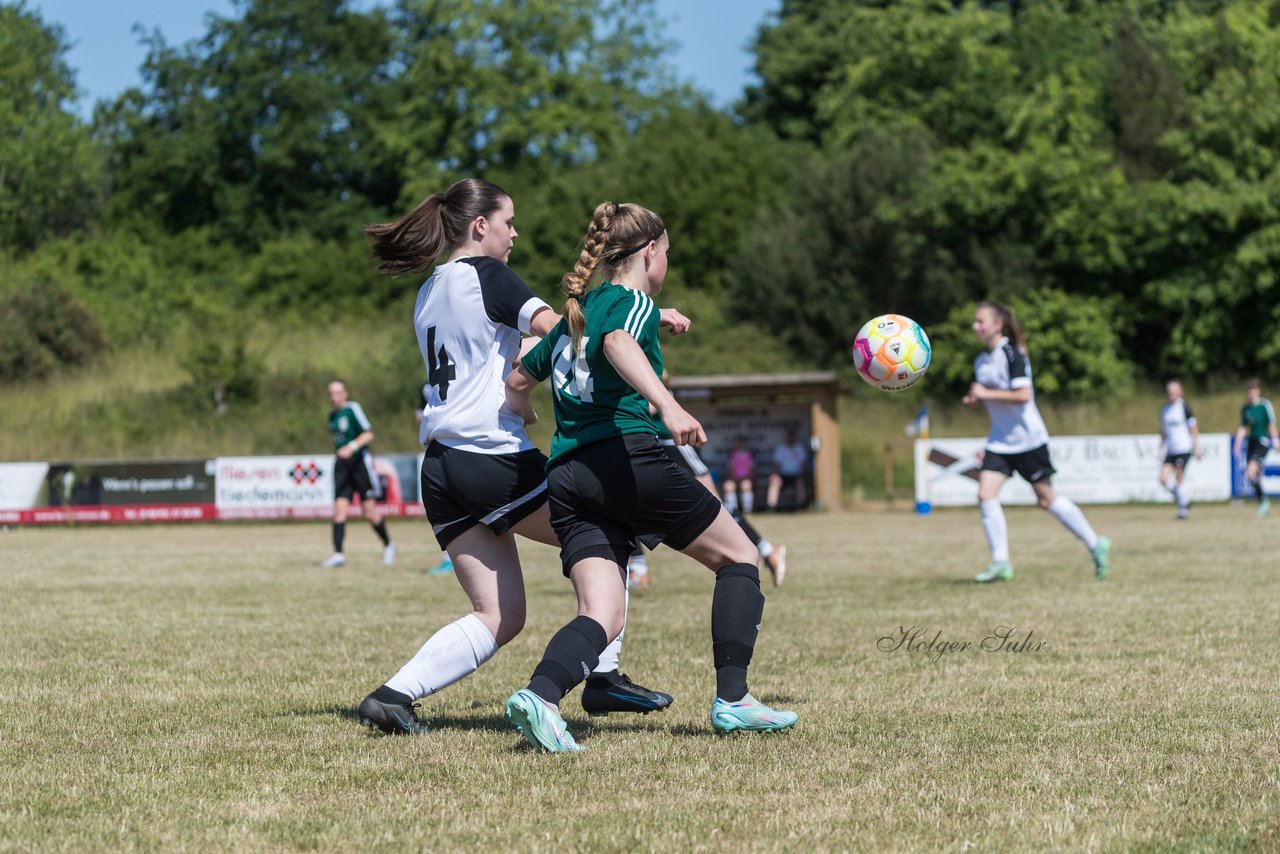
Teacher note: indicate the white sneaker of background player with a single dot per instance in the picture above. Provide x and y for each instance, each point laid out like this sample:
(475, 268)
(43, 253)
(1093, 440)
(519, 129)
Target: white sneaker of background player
(389, 554)
(335, 559)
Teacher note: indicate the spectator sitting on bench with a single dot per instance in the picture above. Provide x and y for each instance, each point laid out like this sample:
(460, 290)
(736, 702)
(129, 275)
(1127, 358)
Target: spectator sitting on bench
(790, 465)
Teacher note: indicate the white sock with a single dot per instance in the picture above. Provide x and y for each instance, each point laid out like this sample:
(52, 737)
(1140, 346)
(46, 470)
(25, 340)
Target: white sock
(638, 563)
(764, 548)
(731, 502)
(994, 526)
(1178, 495)
(449, 655)
(1066, 512)
(748, 501)
(1171, 485)
(609, 658)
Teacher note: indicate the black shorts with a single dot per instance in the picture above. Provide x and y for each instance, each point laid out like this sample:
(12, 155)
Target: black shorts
(686, 457)
(465, 488)
(1178, 461)
(356, 474)
(1257, 450)
(609, 494)
(1033, 465)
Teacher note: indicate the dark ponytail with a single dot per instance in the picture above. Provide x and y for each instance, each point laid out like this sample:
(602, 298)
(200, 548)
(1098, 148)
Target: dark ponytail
(441, 221)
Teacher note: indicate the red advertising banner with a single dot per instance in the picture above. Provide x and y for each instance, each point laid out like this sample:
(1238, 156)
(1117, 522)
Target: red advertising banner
(112, 513)
(228, 488)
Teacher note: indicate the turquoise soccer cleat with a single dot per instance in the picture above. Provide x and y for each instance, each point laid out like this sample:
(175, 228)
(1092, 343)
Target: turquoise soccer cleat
(749, 715)
(997, 570)
(540, 723)
(1102, 558)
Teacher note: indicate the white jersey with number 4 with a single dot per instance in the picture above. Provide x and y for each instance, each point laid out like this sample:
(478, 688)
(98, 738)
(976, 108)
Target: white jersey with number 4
(1015, 427)
(468, 318)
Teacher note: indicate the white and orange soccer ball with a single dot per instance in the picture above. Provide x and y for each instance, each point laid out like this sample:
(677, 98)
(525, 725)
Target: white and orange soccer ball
(891, 352)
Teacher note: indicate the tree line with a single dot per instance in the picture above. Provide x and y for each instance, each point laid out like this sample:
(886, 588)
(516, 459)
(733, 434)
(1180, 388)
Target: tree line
(1108, 168)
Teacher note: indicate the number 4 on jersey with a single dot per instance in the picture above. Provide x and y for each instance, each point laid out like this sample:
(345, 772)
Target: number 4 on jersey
(440, 371)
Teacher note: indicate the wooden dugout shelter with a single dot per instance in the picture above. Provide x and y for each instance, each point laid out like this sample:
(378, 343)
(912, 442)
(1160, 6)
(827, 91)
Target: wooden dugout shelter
(815, 389)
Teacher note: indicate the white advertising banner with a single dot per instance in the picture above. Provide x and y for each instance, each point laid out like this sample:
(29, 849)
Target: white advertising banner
(20, 484)
(1091, 470)
(274, 487)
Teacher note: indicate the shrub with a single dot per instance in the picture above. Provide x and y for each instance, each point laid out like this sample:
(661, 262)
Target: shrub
(44, 328)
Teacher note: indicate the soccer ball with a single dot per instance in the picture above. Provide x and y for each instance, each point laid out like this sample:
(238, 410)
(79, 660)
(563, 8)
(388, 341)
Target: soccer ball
(891, 352)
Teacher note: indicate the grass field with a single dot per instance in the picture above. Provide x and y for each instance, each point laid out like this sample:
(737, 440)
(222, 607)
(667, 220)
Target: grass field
(193, 688)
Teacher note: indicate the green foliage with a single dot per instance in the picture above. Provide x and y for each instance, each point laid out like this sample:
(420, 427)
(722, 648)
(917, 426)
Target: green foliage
(534, 86)
(317, 280)
(1124, 151)
(1115, 159)
(268, 122)
(224, 371)
(834, 253)
(49, 165)
(1075, 350)
(42, 329)
(121, 278)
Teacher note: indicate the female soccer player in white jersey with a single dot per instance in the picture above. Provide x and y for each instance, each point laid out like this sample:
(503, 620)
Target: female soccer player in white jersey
(1181, 439)
(483, 481)
(1018, 441)
(611, 482)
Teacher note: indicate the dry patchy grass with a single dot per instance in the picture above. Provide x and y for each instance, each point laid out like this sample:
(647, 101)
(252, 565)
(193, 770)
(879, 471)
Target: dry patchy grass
(194, 688)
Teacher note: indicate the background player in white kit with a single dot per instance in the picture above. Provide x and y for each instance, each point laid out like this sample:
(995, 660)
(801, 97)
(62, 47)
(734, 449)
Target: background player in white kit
(1018, 441)
(1181, 439)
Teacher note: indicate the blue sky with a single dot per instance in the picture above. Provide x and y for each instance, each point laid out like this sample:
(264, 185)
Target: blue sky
(712, 37)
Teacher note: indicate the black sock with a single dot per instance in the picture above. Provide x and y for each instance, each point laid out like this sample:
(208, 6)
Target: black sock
(1257, 489)
(381, 530)
(572, 654)
(749, 530)
(339, 534)
(391, 695)
(737, 606)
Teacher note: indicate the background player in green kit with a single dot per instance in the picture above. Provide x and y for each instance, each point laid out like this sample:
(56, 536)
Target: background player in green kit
(353, 472)
(1258, 426)
(611, 482)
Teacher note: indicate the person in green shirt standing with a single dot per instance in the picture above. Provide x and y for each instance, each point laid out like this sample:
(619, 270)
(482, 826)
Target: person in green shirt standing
(1258, 426)
(611, 483)
(353, 472)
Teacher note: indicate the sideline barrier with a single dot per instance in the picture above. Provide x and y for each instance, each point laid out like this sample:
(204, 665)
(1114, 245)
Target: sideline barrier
(226, 488)
(1115, 469)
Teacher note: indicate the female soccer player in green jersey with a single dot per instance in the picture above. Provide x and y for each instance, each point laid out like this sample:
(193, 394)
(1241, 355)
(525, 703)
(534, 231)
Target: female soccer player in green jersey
(611, 482)
(1258, 426)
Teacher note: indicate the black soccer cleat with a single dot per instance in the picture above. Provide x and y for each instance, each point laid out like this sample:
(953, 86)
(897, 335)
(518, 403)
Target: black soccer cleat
(391, 718)
(614, 692)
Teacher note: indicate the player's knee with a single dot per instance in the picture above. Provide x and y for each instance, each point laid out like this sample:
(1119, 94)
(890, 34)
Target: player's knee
(610, 618)
(504, 623)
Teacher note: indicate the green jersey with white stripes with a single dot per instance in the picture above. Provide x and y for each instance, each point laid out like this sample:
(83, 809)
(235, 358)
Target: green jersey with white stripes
(1257, 419)
(591, 401)
(347, 423)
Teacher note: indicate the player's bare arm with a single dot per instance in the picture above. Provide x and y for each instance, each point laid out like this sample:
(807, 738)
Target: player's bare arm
(361, 441)
(632, 365)
(519, 387)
